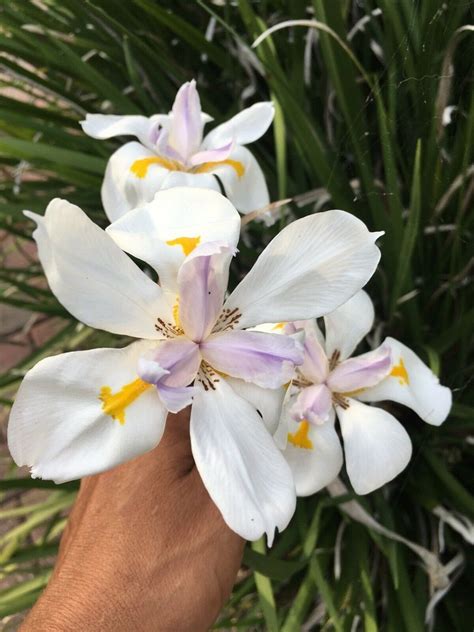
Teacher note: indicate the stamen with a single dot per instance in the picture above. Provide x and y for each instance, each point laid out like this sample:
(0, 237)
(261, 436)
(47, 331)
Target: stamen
(300, 381)
(207, 376)
(334, 359)
(227, 319)
(340, 400)
(168, 330)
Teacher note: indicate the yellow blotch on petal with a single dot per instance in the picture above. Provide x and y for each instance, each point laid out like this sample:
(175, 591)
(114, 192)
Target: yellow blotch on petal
(177, 321)
(115, 404)
(140, 167)
(278, 326)
(187, 243)
(300, 438)
(236, 165)
(400, 371)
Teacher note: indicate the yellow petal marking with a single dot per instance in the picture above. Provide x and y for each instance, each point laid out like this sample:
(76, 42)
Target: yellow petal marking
(300, 438)
(209, 166)
(278, 326)
(114, 404)
(140, 167)
(400, 371)
(177, 321)
(187, 243)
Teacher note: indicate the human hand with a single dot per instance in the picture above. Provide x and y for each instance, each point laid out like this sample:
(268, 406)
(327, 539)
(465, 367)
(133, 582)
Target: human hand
(145, 548)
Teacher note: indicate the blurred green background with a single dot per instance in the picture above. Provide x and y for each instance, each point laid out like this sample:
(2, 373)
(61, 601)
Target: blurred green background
(375, 115)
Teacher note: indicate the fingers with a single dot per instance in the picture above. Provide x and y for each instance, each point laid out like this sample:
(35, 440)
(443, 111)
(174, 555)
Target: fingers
(146, 545)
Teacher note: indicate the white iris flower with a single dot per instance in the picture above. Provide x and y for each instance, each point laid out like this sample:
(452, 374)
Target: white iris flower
(330, 383)
(171, 151)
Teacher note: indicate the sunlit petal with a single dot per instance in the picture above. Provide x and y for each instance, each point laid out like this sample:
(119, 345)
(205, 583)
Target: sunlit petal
(165, 231)
(314, 454)
(245, 127)
(310, 268)
(347, 325)
(89, 274)
(376, 446)
(59, 425)
(242, 469)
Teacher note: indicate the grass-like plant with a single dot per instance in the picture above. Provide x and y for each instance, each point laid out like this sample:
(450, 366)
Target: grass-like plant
(374, 115)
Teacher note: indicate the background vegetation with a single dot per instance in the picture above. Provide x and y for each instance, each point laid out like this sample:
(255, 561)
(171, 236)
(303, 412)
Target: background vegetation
(375, 115)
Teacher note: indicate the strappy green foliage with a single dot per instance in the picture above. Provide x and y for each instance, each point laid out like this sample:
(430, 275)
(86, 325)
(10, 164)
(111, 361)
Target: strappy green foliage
(375, 116)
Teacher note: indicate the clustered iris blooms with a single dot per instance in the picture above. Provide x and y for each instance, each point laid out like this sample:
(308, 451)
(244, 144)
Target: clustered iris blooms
(83, 412)
(262, 404)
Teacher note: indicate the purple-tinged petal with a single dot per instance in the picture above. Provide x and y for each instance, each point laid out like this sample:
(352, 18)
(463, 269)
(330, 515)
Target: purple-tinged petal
(186, 124)
(267, 360)
(177, 398)
(172, 363)
(212, 155)
(361, 372)
(313, 403)
(172, 153)
(315, 366)
(202, 282)
(149, 370)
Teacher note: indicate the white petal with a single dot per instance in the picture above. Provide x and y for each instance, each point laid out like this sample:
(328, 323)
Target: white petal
(245, 127)
(242, 469)
(314, 454)
(243, 180)
(376, 446)
(267, 401)
(108, 125)
(89, 274)
(194, 180)
(348, 325)
(166, 230)
(310, 268)
(58, 426)
(413, 384)
(132, 177)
